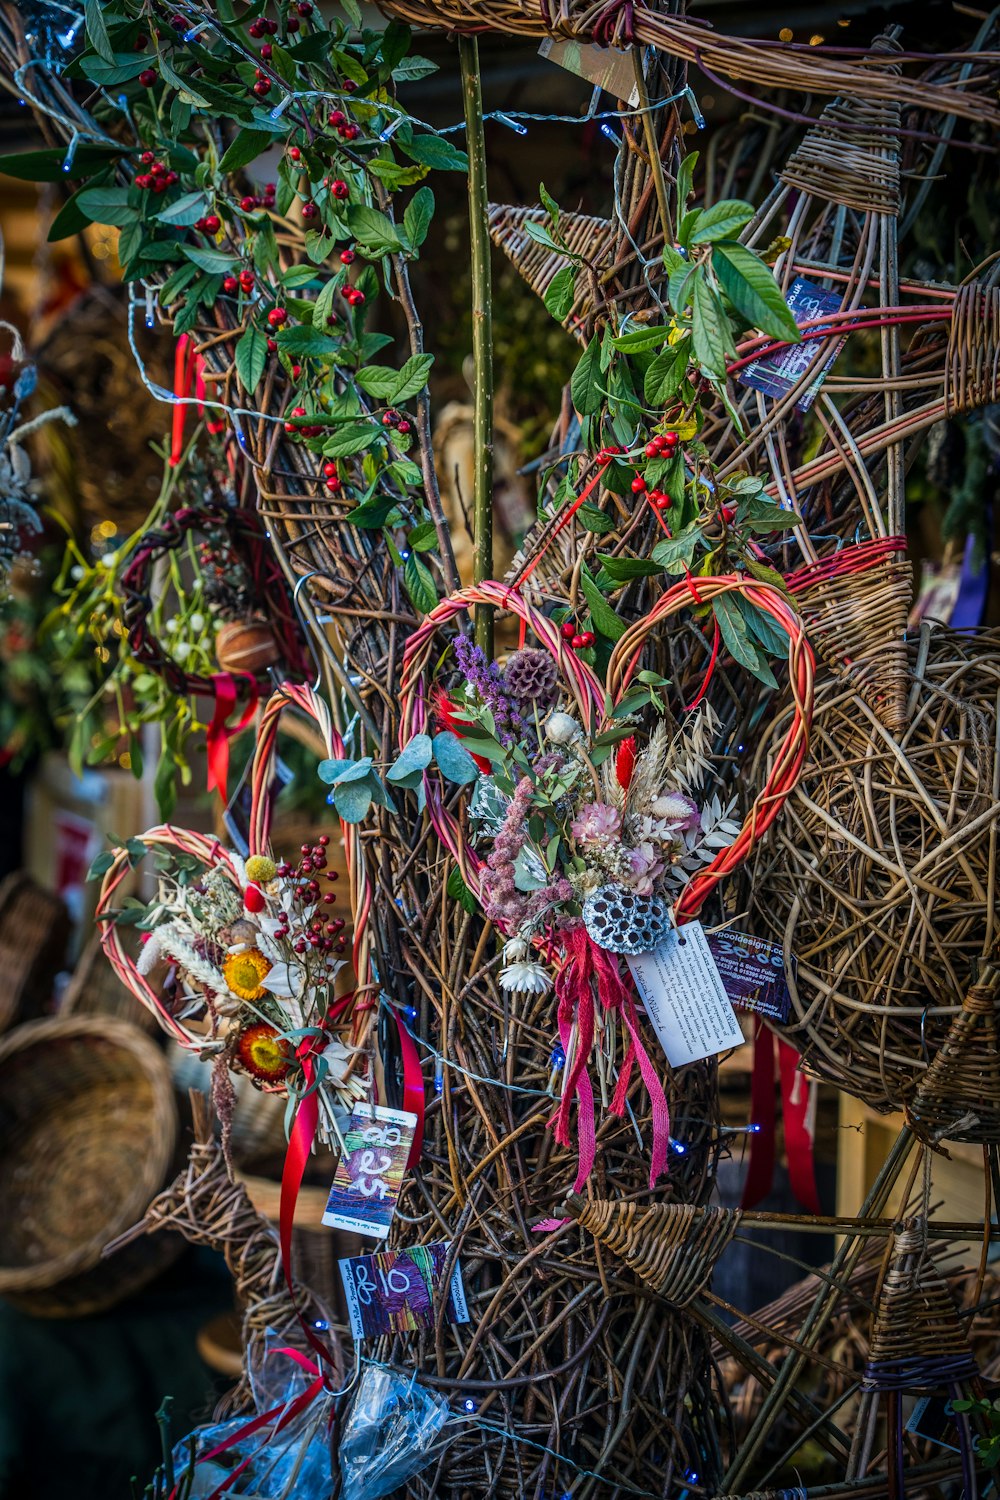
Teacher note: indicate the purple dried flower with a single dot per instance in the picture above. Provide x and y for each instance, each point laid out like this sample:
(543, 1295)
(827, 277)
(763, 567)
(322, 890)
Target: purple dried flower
(483, 676)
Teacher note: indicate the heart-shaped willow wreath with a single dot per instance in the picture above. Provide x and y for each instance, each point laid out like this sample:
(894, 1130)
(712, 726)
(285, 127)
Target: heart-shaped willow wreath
(588, 983)
(243, 937)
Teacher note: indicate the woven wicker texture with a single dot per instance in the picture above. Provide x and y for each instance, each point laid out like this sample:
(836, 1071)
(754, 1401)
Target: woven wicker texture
(880, 881)
(538, 264)
(208, 1208)
(96, 990)
(673, 1247)
(34, 930)
(917, 1341)
(88, 1128)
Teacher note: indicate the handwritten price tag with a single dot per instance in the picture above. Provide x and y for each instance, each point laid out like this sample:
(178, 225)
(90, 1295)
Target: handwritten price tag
(685, 998)
(398, 1291)
(369, 1175)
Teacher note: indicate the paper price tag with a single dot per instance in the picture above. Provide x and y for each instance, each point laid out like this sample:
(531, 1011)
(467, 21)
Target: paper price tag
(395, 1291)
(775, 374)
(607, 68)
(369, 1176)
(685, 999)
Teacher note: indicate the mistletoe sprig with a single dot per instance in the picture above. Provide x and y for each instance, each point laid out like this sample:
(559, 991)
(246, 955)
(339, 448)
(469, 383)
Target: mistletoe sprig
(203, 101)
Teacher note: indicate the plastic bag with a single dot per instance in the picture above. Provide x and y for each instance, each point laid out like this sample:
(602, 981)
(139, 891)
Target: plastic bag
(293, 1465)
(393, 1431)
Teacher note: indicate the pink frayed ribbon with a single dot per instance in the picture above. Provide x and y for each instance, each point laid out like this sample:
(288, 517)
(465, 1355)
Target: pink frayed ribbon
(586, 962)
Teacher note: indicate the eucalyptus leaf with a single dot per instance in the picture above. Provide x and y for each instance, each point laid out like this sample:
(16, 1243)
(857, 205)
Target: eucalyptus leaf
(454, 761)
(352, 800)
(416, 755)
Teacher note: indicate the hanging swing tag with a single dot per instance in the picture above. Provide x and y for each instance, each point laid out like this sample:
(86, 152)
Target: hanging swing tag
(685, 998)
(606, 68)
(370, 1172)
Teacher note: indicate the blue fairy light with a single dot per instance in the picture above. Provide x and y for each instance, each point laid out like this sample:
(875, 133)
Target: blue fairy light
(557, 1058)
(404, 553)
(610, 134)
(321, 1325)
(469, 1405)
(410, 1012)
(511, 124)
(67, 165)
(678, 1147)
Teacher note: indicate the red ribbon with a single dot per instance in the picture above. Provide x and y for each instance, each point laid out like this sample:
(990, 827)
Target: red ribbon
(183, 375)
(585, 962)
(797, 1096)
(219, 733)
(413, 1088)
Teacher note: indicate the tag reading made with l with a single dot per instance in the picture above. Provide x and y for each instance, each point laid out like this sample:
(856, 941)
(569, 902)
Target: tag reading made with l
(394, 1291)
(775, 374)
(753, 972)
(369, 1175)
(685, 998)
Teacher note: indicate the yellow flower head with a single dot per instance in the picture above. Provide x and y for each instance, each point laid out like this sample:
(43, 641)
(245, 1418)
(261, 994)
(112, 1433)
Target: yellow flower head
(261, 869)
(245, 972)
(263, 1054)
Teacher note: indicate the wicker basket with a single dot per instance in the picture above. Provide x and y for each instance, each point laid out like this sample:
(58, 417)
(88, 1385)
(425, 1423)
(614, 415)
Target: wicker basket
(88, 1131)
(96, 990)
(34, 929)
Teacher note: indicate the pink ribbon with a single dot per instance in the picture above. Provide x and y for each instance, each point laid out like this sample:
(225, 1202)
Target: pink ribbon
(586, 963)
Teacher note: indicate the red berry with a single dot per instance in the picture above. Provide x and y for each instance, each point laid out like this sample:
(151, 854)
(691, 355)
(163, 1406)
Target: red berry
(348, 85)
(171, 178)
(246, 280)
(296, 371)
(141, 42)
(332, 484)
(587, 638)
(256, 29)
(254, 898)
(212, 223)
(329, 468)
(309, 210)
(567, 630)
(262, 87)
(160, 184)
(147, 78)
(294, 153)
(638, 485)
(143, 180)
(578, 642)
(351, 132)
(336, 118)
(271, 27)
(147, 158)
(651, 449)
(660, 501)
(304, 8)
(339, 188)
(670, 440)
(178, 22)
(271, 346)
(292, 24)
(158, 169)
(248, 204)
(277, 316)
(355, 296)
(728, 513)
(403, 427)
(230, 285)
(347, 257)
(266, 51)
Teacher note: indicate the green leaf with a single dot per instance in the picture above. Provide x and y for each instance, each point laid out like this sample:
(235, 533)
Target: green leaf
(106, 205)
(101, 865)
(435, 151)
(592, 518)
(606, 622)
(352, 10)
(394, 174)
(585, 386)
(251, 358)
(330, 770)
(560, 292)
(737, 639)
(308, 341)
(541, 235)
(352, 799)
(419, 583)
(417, 216)
(372, 228)
(710, 334)
(665, 374)
(763, 517)
(379, 381)
(323, 306)
(413, 376)
(723, 220)
(685, 176)
(97, 31)
(207, 259)
(246, 147)
(641, 338)
(372, 514)
(71, 220)
(353, 438)
(412, 760)
(187, 210)
(753, 291)
(405, 472)
(459, 891)
(422, 538)
(122, 69)
(47, 166)
(772, 636)
(550, 203)
(623, 568)
(454, 761)
(412, 68)
(298, 276)
(673, 552)
(679, 286)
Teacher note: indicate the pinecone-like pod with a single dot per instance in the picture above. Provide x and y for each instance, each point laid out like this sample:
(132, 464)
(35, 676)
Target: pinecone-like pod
(532, 677)
(623, 922)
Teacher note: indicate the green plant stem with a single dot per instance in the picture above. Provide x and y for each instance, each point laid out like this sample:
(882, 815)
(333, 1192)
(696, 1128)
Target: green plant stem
(482, 334)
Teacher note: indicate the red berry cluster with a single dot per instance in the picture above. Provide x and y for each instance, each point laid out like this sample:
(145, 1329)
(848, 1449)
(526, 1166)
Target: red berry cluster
(578, 639)
(322, 933)
(330, 476)
(243, 282)
(157, 176)
(262, 27)
(208, 224)
(354, 295)
(660, 445)
(344, 127)
(307, 431)
(266, 199)
(392, 418)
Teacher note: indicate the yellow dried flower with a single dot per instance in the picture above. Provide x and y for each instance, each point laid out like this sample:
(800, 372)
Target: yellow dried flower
(245, 972)
(260, 868)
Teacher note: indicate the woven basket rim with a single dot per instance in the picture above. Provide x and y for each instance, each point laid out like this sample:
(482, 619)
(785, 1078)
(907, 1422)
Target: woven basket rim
(161, 1138)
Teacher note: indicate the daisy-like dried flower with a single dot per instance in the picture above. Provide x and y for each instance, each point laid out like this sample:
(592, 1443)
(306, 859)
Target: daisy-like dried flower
(525, 979)
(245, 972)
(262, 1052)
(596, 823)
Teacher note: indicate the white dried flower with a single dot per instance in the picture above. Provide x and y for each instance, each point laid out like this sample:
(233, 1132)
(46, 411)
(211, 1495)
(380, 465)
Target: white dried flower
(149, 955)
(515, 949)
(525, 979)
(562, 729)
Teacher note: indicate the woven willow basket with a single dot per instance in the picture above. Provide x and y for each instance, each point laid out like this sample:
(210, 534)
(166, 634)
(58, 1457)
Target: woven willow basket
(88, 1132)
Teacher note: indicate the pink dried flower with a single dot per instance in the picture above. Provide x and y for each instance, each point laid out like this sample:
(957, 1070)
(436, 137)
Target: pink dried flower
(645, 868)
(596, 823)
